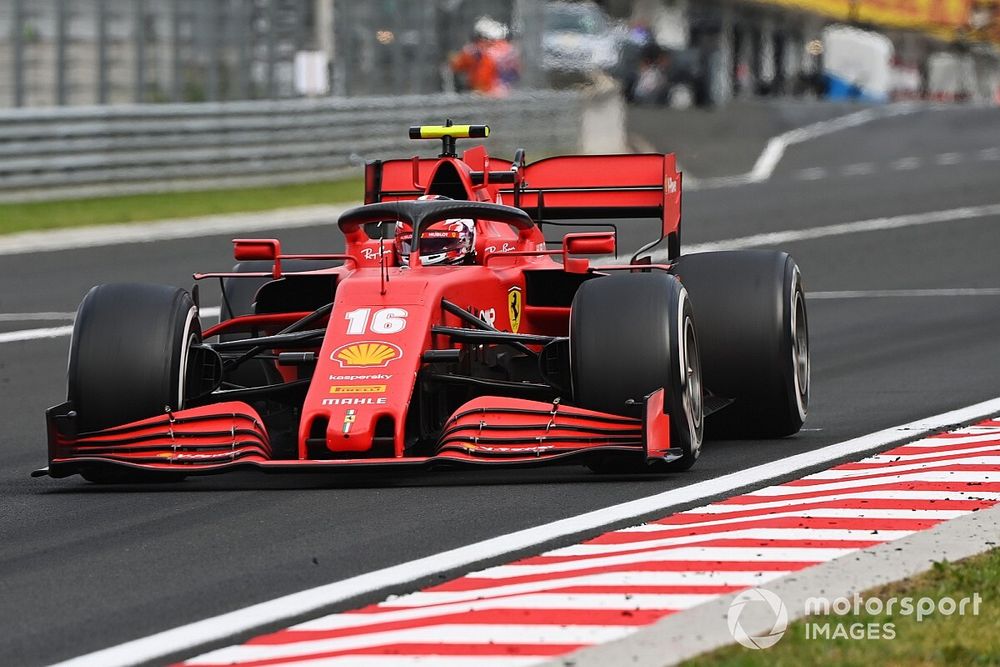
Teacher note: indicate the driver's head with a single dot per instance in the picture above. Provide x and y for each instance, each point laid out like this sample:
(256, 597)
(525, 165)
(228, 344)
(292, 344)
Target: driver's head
(449, 241)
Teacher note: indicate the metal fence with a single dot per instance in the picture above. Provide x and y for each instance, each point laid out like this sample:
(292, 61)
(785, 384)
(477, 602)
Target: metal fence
(83, 52)
(90, 151)
(65, 52)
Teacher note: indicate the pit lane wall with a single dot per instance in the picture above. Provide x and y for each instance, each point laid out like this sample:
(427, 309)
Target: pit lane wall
(66, 152)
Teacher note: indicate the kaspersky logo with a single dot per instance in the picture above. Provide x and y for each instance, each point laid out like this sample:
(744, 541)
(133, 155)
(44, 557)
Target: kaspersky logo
(366, 355)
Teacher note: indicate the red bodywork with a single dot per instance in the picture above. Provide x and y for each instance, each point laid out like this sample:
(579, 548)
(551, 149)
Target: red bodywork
(359, 408)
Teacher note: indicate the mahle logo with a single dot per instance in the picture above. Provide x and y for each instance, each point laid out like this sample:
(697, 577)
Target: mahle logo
(759, 598)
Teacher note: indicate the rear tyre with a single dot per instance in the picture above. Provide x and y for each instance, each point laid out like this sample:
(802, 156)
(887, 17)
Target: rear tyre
(754, 335)
(128, 358)
(631, 334)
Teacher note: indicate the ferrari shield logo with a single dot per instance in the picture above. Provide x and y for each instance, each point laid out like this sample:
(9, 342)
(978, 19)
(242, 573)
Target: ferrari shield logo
(514, 303)
(349, 418)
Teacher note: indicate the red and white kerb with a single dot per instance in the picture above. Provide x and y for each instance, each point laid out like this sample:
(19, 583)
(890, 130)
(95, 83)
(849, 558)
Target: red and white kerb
(537, 608)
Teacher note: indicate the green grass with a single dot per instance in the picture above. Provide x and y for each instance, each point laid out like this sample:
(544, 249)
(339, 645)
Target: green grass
(937, 640)
(18, 217)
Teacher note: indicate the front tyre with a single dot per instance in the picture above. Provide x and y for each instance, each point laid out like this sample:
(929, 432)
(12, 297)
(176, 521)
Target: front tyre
(129, 352)
(631, 334)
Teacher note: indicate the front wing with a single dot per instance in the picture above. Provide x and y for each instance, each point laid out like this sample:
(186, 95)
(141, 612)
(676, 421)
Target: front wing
(490, 430)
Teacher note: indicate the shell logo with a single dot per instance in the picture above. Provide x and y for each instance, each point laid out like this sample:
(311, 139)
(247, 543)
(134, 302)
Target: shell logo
(366, 355)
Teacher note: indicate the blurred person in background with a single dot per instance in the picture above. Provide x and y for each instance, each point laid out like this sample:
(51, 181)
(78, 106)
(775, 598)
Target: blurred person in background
(504, 54)
(652, 83)
(489, 64)
(637, 40)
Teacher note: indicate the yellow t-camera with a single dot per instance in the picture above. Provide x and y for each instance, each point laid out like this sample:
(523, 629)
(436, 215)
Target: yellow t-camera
(453, 131)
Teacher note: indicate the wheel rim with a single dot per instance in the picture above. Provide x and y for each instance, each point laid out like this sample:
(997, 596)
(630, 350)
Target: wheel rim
(800, 352)
(694, 403)
(189, 338)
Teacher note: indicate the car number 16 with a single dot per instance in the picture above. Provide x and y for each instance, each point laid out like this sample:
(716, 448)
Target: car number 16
(384, 321)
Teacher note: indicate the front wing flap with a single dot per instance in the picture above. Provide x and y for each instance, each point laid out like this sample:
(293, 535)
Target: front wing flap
(490, 430)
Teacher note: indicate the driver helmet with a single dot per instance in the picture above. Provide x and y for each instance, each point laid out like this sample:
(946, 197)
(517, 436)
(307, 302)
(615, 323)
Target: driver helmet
(449, 241)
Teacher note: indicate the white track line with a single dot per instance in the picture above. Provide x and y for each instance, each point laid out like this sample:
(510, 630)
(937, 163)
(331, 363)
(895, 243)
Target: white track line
(898, 293)
(188, 637)
(35, 334)
(812, 174)
(859, 169)
(164, 230)
(776, 147)
(870, 225)
(907, 163)
(35, 317)
(59, 332)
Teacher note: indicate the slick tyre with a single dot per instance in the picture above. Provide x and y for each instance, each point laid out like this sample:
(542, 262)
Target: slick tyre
(754, 335)
(129, 351)
(631, 334)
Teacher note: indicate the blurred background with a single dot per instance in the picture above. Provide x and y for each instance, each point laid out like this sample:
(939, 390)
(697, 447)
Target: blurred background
(171, 79)
(85, 52)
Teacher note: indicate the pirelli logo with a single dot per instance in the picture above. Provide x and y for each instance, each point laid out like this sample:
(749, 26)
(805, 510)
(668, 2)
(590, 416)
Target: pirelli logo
(358, 389)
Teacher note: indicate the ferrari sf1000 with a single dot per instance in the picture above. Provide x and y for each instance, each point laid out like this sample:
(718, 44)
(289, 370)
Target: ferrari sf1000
(447, 332)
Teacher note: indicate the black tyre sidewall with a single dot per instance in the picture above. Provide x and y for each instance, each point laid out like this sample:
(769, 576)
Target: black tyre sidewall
(128, 346)
(625, 343)
(745, 302)
(681, 434)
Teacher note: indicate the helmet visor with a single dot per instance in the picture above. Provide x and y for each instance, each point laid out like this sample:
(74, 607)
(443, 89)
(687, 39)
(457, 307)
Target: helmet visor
(431, 242)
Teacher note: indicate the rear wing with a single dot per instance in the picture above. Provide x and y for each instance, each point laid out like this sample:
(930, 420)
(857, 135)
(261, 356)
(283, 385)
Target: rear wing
(572, 187)
(587, 187)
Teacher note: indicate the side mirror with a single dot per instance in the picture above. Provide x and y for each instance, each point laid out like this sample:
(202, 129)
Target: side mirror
(246, 250)
(590, 243)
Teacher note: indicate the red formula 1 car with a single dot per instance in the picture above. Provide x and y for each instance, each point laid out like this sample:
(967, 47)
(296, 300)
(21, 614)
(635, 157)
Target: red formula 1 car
(446, 333)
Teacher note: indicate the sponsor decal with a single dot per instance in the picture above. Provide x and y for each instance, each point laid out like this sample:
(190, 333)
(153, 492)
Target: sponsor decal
(384, 321)
(359, 378)
(506, 247)
(358, 389)
(349, 418)
(382, 400)
(515, 301)
(369, 253)
(366, 355)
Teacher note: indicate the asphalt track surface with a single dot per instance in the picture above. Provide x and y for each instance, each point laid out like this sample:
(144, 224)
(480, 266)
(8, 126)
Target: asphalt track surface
(83, 567)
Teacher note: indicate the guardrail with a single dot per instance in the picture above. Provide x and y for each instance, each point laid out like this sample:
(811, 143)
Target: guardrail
(93, 151)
